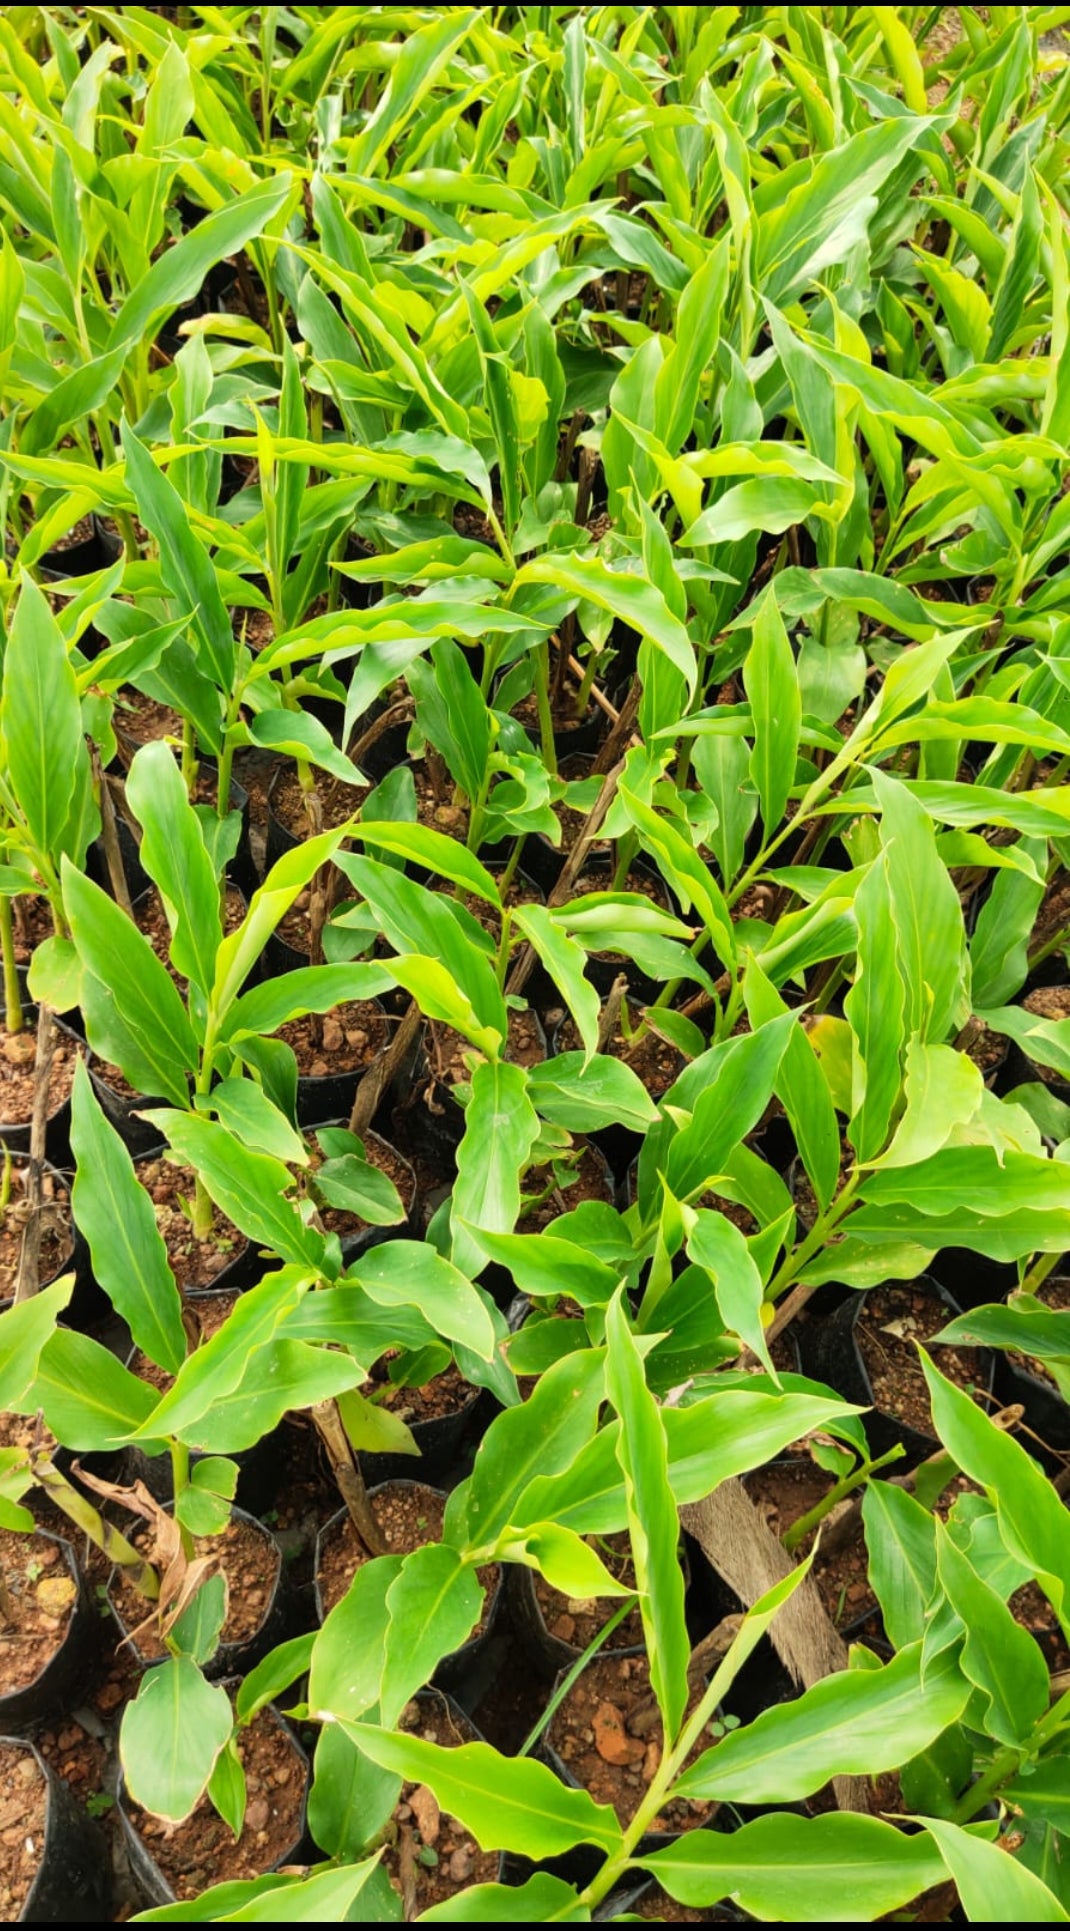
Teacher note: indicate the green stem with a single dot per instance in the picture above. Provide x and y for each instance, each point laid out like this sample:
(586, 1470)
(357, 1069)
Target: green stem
(542, 701)
(14, 1018)
(824, 1225)
(202, 1209)
(799, 1530)
(1044, 1265)
(511, 864)
(180, 1483)
(578, 1667)
(189, 754)
(503, 945)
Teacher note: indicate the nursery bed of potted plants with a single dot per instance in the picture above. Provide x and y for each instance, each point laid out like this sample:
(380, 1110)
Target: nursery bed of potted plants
(534, 913)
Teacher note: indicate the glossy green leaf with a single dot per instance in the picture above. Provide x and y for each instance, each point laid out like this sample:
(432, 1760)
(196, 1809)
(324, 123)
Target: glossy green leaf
(500, 1129)
(993, 1887)
(841, 1867)
(172, 1733)
(174, 855)
(134, 1016)
(433, 1604)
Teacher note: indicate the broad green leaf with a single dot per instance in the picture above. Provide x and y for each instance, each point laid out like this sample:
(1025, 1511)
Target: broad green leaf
(117, 1218)
(89, 1400)
(279, 1376)
(24, 1330)
(582, 1094)
(297, 734)
(174, 855)
(842, 1867)
(1002, 1660)
(410, 1273)
(500, 1129)
(875, 1010)
(42, 725)
(993, 1887)
(771, 681)
(502, 1801)
(345, 1674)
(931, 940)
(540, 1438)
(741, 1075)
(240, 950)
(251, 1188)
(1032, 1519)
(178, 273)
(901, 1541)
(246, 1111)
(854, 1723)
(434, 1604)
(565, 961)
(801, 1087)
(172, 1732)
(943, 1090)
(134, 1016)
(185, 565)
(544, 1899)
(652, 1523)
(714, 1244)
(329, 1896)
(264, 1008)
(416, 920)
(544, 1265)
(425, 846)
(216, 1368)
(625, 594)
(351, 1799)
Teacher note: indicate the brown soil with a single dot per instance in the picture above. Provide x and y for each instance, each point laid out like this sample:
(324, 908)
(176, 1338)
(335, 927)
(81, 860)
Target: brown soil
(17, 1054)
(987, 1050)
(141, 719)
(657, 1063)
(521, 891)
(43, 1594)
(593, 1181)
(202, 1851)
(79, 532)
(250, 1561)
(23, 1801)
(562, 709)
(1048, 1002)
(254, 628)
(1030, 1607)
(114, 1077)
(194, 1263)
(338, 801)
(891, 1359)
(435, 806)
(1053, 916)
(578, 1621)
(380, 1154)
(659, 1906)
(32, 920)
(1055, 1294)
(152, 922)
(340, 1041)
(574, 770)
(447, 1394)
(429, 1856)
(56, 1244)
(608, 1734)
(732, 1210)
(447, 1050)
(410, 1514)
(782, 1492)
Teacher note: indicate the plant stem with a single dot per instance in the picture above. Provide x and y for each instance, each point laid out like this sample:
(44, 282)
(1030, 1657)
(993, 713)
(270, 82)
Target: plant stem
(180, 1483)
(14, 1017)
(202, 1209)
(577, 1669)
(1044, 1265)
(800, 1529)
(542, 701)
(102, 1533)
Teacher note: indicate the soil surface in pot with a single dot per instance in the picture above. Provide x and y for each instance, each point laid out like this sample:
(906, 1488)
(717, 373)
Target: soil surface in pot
(521, 891)
(41, 1595)
(56, 1239)
(890, 1323)
(152, 922)
(447, 1051)
(1055, 1294)
(386, 1159)
(447, 1394)
(23, 1803)
(593, 1181)
(429, 1856)
(782, 1492)
(339, 1041)
(608, 1735)
(141, 719)
(1030, 1607)
(656, 1062)
(1053, 915)
(337, 802)
(658, 1905)
(1048, 1002)
(17, 1054)
(32, 921)
(435, 806)
(578, 1621)
(194, 1262)
(202, 1851)
(987, 1049)
(249, 1561)
(409, 1516)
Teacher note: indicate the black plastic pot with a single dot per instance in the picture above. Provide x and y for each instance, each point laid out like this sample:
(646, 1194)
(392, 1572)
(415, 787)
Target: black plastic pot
(71, 1886)
(327, 1098)
(65, 1673)
(87, 1303)
(139, 1136)
(972, 1279)
(231, 1658)
(278, 838)
(455, 1670)
(830, 1353)
(147, 1873)
(241, 871)
(94, 552)
(15, 1134)
(243, 1270)
(548, 1651)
